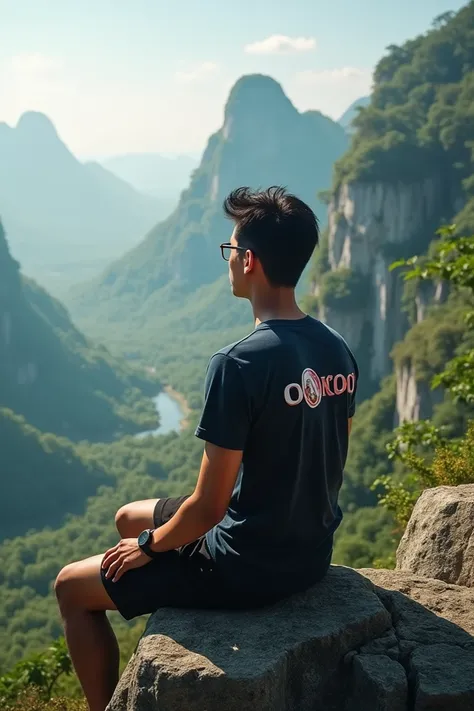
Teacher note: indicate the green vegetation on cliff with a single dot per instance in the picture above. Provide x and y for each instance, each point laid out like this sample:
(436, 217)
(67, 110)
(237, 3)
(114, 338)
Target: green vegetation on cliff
(441, 451)
(420, 122)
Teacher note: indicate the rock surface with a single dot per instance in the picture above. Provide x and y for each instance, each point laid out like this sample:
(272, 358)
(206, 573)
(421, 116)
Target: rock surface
(369, 226)
(439, 539)
(352, 643)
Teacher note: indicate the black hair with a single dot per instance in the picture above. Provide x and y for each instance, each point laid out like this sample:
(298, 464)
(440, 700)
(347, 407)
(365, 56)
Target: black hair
(278, 227)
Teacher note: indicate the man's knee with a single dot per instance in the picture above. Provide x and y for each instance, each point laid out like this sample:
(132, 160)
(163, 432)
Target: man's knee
(123, 519)
(65, 585)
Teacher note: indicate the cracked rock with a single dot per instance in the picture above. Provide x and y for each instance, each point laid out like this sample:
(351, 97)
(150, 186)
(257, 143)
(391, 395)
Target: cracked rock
(382, 640)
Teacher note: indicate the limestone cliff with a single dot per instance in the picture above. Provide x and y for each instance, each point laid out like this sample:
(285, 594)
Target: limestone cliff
(408, 171)
(370, 225)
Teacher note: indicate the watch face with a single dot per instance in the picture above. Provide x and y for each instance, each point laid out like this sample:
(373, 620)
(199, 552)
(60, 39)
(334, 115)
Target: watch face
(143, 538)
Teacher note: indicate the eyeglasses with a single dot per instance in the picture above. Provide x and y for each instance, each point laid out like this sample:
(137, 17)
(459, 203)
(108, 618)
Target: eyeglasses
(226, 247)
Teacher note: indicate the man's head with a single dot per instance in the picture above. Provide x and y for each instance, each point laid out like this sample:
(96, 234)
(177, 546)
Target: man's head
(275, 233)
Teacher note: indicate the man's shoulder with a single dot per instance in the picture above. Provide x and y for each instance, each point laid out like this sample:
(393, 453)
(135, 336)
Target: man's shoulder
(254, 341)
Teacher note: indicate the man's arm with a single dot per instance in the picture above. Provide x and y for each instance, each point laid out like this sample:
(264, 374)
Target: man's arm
(208, 503)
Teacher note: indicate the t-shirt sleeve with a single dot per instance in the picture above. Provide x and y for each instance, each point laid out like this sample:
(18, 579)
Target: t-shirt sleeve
(352, 395)
(225, 418)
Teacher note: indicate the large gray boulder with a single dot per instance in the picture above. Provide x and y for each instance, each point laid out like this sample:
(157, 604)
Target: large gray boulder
(350, 643)
(439, 539)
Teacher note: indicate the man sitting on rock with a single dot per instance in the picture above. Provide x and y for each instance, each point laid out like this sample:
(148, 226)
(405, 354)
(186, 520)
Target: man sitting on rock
(276, 419)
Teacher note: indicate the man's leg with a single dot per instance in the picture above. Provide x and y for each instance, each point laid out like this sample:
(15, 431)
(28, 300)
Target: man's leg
(92, 644)
(133, 518)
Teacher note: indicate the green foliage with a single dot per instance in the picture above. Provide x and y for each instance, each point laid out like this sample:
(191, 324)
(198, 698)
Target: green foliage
(451, 259)
(430, 457)
(366, 538)
(33, 463)
(40, 670)
(371, 430)
(420, 120)
(343, 289)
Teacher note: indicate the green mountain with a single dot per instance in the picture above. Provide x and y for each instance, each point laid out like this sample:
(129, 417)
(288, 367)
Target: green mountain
(66, 220)
(172, 289)
(52, 375)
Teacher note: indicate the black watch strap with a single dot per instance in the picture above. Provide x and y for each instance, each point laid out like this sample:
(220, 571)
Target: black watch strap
(145, 545)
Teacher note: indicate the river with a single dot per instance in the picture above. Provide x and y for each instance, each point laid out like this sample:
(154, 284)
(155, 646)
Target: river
(171, 413)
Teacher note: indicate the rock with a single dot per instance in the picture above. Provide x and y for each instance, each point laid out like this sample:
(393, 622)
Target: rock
(452, 603)
(355, 642)
(282, 657)
(435, 638)
(370, 224)
(438, 681)
(439, 539)
(379, 684)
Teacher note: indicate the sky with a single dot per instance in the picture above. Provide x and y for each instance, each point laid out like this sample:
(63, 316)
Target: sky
(124, 76)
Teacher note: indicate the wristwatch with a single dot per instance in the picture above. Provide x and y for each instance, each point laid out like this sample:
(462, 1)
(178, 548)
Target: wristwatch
(145, 539)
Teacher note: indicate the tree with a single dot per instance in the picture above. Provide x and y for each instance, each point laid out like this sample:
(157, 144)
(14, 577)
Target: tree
(429, 457)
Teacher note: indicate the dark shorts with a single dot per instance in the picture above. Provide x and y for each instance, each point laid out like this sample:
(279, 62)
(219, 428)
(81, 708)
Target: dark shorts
(185, 577)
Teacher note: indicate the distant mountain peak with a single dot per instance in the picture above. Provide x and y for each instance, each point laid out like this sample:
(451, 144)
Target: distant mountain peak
(37, 124)
(352, 111)
(256, 91)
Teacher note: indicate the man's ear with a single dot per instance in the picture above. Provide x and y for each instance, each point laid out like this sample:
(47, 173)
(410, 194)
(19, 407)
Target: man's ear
(249, 261)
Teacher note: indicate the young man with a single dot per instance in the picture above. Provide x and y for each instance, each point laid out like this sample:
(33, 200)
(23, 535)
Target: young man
(259, 525)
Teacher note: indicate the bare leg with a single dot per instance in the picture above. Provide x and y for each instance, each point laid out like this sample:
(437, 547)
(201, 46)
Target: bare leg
(92, 644)
(133, 518)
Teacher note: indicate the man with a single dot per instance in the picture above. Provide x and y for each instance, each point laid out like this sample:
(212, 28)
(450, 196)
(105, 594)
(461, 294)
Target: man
(259, 525)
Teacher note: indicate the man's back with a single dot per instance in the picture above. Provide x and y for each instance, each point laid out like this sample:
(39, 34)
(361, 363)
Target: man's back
(283, 395)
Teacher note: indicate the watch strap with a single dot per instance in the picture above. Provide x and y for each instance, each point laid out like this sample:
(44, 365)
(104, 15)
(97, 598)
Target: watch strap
(146, 547)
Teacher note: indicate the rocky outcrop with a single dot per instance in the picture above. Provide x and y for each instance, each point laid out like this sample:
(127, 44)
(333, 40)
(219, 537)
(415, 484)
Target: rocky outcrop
(355, 642)
(415, 398)
(371, 225)
(439, 538)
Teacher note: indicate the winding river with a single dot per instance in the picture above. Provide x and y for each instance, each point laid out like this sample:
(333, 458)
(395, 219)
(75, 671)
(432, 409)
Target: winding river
(171, 414)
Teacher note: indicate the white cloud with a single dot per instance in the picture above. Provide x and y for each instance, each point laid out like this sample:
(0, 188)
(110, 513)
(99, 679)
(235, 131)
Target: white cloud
(333, 76)
(197, 73)
(281, 44)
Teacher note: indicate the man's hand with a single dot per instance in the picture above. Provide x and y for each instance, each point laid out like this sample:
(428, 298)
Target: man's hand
(126, 555)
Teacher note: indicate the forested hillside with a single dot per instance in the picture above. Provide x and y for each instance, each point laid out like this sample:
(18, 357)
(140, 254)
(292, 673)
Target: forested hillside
(173, 289)
(55, 384)
(52, 375)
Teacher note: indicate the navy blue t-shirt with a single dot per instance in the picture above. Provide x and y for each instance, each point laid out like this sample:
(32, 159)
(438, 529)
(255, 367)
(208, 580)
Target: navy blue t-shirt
(283, 395)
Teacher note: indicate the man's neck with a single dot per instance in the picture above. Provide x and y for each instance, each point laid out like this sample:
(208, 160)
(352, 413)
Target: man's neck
(276, 304)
